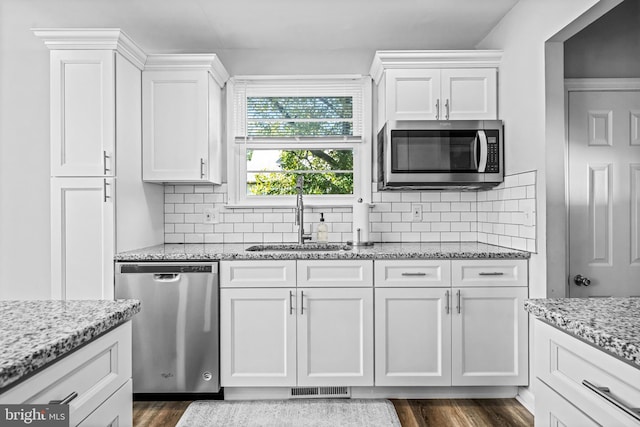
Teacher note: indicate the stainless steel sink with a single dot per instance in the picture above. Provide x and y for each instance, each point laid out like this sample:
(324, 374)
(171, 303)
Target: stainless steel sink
(295, 247)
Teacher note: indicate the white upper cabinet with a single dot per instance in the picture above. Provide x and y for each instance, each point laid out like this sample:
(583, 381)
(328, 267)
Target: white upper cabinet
(436, 85)
(82, 112)
(181, 118)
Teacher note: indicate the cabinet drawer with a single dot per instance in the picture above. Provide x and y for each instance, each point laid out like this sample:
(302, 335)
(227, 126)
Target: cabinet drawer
(409, 273)
(94, 372)
(116, 411)
(330, 273)
(489, 272)
(258, 274)
(553, 410)
(563, 362)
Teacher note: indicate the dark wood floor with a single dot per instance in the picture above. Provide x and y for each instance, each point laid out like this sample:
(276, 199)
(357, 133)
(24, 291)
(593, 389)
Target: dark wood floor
(412, 413)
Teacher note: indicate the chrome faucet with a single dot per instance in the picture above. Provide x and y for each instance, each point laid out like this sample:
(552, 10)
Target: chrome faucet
(300, 211)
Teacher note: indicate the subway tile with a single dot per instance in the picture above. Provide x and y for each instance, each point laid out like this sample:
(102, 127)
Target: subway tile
(504, 241)
(391, 237)
(527, 178)
(511, 205)
(242, 227)
(213, 198)
(174, 218)
(413, 196)
(498, 228)
(203, 228)
(510, 181)
(511, 230)
(184, 208)
(194, 238)
(450, 237)
(253, 217)
(400, 226)
(252, 237)
(381, 227)
(468, 216)
(450, 196)
(376, 197)
(468, 196)
(374, 237)
(460, 226)
(335, 237)
(223, 228)
(531, 246)
(421, 226)
(174, 238)
(381, 207)
(504, 217)
(391, 196)
(468, 237)
(492, 195)
(450, 216)
(272, 217)
(272, 237)
(283, 227)
(169, 208)
(531, 192)
(263, 227)
(441, 226)
(194, 198)
(232, 238)
(174, 198)
(169, 228)
(184, 228)
(492, 216)
(482, 196)
(213, 238)
(233, 217)
(203, 189)
(518, 243)
(441, 207)
(184, 188)
(518, 217)
(193, 218)
(430, 196)
(430, 237)
(431, 216)
(410, 237)
(482, 217)
(329, 217)
(200, 207)
(461, 206)
(498, 206)
(482, 237)
(169, 189)
(348, 217)
(289, 237)
(519, 193)
(391, 217)
(527, 232)
(341, 227)
(407, 216)
(474, 226)
(400, 207)
(222, 188)
(492, 239)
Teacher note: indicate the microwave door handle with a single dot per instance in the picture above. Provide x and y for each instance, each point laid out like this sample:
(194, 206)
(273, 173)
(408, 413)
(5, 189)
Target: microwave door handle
(482, 138)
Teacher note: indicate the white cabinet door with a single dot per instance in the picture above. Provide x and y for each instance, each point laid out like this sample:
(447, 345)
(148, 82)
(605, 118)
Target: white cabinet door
(412, 94)
(175, 124)
(412, 337)
(117, 411)
(257, 337)
(469, 94)
(82, 112)
(489, 338)
(335, 337)
(82, 238)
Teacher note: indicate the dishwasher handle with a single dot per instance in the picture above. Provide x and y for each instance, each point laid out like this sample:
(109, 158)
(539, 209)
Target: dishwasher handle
(166, 277)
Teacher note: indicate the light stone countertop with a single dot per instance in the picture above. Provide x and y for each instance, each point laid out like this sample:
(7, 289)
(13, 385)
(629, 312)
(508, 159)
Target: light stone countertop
(612, 324)
(35, 333)
(432, 250)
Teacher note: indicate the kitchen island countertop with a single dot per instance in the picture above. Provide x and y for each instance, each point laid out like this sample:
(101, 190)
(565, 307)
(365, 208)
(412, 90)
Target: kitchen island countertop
(431, 250)
(611, 324)
(35, 333)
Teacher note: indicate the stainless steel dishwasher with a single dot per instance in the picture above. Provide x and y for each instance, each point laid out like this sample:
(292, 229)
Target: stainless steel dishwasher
(175, 335)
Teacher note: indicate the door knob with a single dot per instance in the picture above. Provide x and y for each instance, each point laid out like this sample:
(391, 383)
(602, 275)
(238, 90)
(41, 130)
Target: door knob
(580, 280)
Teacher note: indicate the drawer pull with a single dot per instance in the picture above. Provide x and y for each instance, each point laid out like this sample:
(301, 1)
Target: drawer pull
(414, 274)
(446, 297)
(605, 393)
(493, 273)
(64, 401)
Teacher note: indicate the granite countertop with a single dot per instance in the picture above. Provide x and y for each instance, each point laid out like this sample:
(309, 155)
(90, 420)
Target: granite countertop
(613, 324)
(204, 252)
(35, 333)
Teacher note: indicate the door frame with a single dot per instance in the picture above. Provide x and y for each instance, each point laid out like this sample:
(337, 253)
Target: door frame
(584, 85)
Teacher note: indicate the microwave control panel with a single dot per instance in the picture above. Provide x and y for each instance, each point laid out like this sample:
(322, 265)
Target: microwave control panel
(493, 155)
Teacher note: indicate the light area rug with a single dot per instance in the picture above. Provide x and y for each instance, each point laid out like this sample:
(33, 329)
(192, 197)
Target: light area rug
(296, 412)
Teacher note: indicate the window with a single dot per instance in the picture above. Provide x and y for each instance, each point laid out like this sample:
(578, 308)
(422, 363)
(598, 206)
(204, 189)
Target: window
(282, 128)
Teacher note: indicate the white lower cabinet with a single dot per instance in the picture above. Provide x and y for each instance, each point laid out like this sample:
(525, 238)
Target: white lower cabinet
(98, 374)
(413, 337)
(428, 334)
(553, 410)
(489, 336)
(288, 336)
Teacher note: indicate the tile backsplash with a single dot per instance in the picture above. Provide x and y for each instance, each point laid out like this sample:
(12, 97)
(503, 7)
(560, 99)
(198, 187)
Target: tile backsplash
(503, 216)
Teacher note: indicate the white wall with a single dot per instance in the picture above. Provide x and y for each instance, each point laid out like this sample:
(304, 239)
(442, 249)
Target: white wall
(24, 158)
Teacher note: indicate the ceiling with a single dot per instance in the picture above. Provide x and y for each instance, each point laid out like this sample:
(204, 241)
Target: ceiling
(197, 26)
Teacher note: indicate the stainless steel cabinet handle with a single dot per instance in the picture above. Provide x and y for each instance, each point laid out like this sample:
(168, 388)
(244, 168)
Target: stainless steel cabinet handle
(446, 109)
(290, 302)
(446, 307)
(438, 109)
(605, 393)
(201, 168)
(64, 401)
(458, 306)
(105, 184)
(414, 274)
(492, 273)
(105, 156)
(301, 302)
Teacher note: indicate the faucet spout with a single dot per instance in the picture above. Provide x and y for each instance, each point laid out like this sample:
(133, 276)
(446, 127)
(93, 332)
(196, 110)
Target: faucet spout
(302, 237)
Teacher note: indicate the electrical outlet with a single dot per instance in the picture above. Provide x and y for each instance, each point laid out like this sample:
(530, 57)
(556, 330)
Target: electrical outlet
(211, 216)
(416, 210)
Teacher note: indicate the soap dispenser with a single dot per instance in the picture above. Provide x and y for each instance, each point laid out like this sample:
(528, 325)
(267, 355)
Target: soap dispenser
(322, 232)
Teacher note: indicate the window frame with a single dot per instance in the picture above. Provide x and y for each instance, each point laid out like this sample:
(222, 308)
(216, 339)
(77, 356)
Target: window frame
(236, 149)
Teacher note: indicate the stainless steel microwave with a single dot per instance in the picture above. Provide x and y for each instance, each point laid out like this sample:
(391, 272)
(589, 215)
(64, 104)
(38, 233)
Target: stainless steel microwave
(440, 154)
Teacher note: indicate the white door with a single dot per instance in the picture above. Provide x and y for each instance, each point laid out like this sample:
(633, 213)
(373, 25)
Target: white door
(469, 94)
(175, 125)
(335, 337)
(82, 112)
(604, 193)
(413, 94)
(412, 337)
(489, 336)
(257, 337)
(82, 238)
